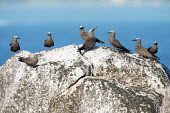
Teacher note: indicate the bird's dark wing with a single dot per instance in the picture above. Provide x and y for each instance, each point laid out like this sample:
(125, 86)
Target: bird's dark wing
(52, 43)
(89, 43)
(119, 45)
(11, 48)
(18, 47)
(148, 49)
(99, 41)
(45, 43)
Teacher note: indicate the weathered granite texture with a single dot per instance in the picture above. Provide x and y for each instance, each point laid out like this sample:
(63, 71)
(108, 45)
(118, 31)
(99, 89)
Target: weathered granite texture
(104, 80)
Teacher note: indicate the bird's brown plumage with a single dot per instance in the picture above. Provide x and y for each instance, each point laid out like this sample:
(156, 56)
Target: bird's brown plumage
(84, 35)
(89, 43)
(49, 41)
(143, 51)
(32, 61)
(15, 45)
(154, 48)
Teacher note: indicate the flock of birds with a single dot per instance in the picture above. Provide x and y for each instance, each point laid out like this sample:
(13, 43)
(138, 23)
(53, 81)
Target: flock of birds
(90, 41)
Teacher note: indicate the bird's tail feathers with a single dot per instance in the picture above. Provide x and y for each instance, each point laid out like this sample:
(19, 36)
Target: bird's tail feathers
(127, 50)
(101, 42)
(155, 57)
(97, 40)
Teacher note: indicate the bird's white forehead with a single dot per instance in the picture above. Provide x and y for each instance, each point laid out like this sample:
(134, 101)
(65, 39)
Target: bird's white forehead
(81, 26)
(137, 38)
(112, 31)
(49, 32)
(155, 42)
(15, 36)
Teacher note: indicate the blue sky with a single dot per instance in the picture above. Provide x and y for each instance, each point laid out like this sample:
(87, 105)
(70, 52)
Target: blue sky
(87, 2)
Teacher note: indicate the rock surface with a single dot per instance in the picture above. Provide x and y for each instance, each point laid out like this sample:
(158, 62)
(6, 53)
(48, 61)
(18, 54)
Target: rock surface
(63, 83)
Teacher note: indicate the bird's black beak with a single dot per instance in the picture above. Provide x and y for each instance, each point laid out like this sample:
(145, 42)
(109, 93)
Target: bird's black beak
(94, 28)
(18, 38)
(134, 40)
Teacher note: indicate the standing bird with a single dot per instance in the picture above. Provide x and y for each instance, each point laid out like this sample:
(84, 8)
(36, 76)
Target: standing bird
(114, 42)
(15, 45)
(31, 61)
(143, 51)
(153, 49)
(84, 35)
(49, 41)
(89, 43)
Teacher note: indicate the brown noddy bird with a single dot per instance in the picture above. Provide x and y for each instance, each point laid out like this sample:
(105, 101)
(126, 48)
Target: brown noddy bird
(143, 51)
(31, 61)
(89, 43)
(84, 35)
(15, 45)
(49, 41)
(153, 49)
(115, 43)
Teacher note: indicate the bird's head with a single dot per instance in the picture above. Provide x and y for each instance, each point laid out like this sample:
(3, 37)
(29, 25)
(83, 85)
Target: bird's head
(137, 39)
(49, 33)
(155, 43)
(112, 32)
(16, 37)
(81, 27)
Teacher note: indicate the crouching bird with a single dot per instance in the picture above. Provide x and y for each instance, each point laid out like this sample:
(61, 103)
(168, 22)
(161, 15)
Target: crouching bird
(89, 43)
(31, 61)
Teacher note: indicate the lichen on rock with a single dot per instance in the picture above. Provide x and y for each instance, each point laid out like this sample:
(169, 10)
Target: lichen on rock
(102, 80)
(101, 96)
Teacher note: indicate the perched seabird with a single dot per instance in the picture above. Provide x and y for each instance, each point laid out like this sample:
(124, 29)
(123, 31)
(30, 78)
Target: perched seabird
(153, 49)
(143, 51)
(84, 35)
(89, 43)
(15, 45)
(115, 43)
(31, 61)
(49, 41)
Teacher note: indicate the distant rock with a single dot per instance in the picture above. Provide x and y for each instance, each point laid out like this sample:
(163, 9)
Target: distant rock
(63, 83)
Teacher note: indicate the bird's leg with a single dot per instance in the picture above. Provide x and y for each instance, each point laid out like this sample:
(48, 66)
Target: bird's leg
(79, 50)
(35, 66)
